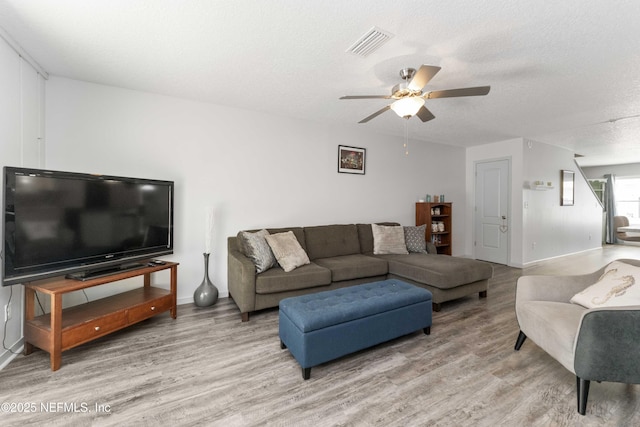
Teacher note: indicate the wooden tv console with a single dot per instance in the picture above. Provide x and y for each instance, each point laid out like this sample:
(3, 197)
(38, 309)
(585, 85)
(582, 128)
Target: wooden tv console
(61, 329)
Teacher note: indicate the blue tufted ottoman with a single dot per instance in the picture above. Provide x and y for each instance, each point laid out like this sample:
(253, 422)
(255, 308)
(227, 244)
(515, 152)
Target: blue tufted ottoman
(323, 326)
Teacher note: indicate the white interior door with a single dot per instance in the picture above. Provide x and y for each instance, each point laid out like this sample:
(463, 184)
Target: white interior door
(492, 221)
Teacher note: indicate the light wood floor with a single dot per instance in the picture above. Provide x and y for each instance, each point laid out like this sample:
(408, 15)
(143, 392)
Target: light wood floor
(208, 368)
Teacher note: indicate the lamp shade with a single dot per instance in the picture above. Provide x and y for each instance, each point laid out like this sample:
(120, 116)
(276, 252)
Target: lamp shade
(407, 107)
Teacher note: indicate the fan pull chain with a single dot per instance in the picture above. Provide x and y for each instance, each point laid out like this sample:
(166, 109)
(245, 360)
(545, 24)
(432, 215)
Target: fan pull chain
(406, 137)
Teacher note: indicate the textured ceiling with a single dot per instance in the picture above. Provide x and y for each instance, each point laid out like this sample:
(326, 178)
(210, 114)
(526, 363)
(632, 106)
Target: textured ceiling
(559, 71)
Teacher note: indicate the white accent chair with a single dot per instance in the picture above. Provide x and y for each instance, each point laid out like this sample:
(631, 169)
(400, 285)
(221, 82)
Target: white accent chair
(599, 344)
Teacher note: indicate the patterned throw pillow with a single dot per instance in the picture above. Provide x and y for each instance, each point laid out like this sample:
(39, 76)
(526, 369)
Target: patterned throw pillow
(256, 248)
(414, 238)
(388, 240)
(287, 250)
(618, 286)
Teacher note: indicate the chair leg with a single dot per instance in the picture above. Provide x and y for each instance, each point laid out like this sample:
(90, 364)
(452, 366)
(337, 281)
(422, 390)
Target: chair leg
(520, 340)
(583, 394)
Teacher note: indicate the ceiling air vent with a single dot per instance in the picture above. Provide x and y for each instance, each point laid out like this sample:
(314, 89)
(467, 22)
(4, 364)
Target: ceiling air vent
(373, 39)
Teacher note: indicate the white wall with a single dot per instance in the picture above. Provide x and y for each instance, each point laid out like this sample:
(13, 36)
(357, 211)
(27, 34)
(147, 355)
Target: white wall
(21, 144)
(256, 170)
(539, 227)
(549, 229)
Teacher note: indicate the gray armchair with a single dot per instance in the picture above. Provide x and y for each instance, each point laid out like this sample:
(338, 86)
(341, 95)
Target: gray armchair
(600, 344)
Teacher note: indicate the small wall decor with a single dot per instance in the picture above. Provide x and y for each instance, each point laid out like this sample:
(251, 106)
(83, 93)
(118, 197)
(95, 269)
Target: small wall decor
(567, 178)
(351, 159)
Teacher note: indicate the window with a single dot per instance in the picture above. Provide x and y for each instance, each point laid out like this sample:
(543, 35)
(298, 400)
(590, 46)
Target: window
(628, 198)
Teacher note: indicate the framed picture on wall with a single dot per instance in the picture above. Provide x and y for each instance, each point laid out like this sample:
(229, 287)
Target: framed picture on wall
(567, 179)
(351, 159)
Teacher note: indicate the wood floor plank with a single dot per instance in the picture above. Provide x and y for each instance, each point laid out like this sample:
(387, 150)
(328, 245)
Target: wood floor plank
(208, 368)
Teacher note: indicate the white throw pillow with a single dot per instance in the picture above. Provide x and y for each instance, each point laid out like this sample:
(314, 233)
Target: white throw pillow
(287, 250)
(618, 286)
(388, 239)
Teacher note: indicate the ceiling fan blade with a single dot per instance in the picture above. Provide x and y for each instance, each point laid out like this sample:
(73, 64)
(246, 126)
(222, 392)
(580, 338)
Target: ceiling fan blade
(424, 114)
(451, 93)
(422, 76)
(366, 97)
(374, 115)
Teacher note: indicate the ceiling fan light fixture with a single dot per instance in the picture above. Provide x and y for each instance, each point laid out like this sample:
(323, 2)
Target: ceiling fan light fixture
(407, 107)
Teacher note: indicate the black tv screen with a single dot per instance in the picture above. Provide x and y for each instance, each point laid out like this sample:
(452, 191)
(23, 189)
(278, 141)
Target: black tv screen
(57, 223)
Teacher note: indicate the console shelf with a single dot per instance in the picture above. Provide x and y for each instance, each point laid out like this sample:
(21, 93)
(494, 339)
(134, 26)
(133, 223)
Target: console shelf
(61, 329)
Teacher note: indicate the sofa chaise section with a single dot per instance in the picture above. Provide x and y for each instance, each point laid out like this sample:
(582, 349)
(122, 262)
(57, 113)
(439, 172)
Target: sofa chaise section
(447, 277)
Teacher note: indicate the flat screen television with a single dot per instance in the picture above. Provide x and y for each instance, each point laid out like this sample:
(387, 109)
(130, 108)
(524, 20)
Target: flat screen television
(81, 225)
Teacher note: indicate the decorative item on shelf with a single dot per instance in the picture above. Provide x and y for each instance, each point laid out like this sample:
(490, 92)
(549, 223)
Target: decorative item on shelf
(436, 211)
(436, 198)
(434, 227)
(206, 294)
(441, 226)
(442, 198)
(541, 185)
(428, 198)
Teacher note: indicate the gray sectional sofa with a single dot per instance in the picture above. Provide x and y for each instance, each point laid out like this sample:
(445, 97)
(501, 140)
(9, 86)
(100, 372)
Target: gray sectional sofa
(343, 255)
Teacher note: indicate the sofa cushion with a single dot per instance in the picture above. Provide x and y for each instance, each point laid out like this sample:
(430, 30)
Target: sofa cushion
(414, 237)
(277, 280)
(618, 286)
(326, 241)
(287, 250)
(388, 239)
(255, 247)
(440, 271)
(365, 236)
(355, 266)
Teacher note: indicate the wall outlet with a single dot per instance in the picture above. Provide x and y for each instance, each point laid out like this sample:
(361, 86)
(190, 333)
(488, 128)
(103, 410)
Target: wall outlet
(7, 312)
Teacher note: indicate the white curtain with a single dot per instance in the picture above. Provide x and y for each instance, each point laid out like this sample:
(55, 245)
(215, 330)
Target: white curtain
(610, 208)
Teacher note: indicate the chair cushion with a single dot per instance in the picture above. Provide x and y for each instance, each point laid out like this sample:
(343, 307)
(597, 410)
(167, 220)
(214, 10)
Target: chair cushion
(356, 266)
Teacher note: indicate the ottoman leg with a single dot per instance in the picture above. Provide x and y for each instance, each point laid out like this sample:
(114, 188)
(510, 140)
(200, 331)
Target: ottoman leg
(282, 345)
(427, 330)
(306, 373)
(436, 306)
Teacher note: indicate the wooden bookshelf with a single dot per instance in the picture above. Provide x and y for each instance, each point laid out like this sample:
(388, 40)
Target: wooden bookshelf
(436, 213)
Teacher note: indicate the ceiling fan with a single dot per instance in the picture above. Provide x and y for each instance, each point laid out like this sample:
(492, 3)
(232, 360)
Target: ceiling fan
(409, 97)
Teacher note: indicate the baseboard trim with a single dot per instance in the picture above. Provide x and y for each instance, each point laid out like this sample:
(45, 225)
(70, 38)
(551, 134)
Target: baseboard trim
(531, 263)
(8, 355)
